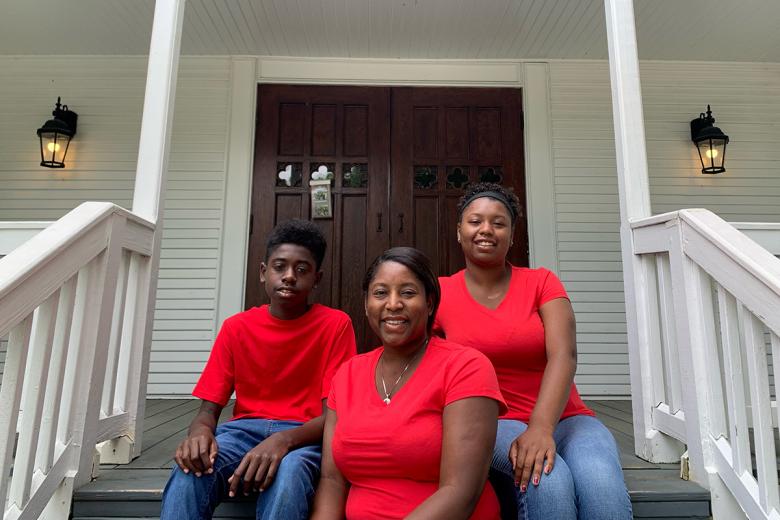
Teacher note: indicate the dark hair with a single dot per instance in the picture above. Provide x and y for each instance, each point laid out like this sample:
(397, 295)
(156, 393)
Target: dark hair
(494, 191)
(419, 264)
(301, 233)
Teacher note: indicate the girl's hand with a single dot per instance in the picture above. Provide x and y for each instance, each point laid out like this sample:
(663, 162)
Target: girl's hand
(531, 453)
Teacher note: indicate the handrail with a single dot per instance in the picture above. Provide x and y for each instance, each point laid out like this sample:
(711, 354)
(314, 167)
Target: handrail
(723, 291)
(73, 302)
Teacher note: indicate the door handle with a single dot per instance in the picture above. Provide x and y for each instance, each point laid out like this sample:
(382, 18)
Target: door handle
(400, 222)
(379, 222)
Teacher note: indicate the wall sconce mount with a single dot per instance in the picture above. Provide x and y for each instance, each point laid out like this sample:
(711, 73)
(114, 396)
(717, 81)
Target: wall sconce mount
(711, 143)
(55, 136)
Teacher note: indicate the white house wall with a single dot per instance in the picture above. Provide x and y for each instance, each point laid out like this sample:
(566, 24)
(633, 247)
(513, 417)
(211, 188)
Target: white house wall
(745, 99)
(107, 93)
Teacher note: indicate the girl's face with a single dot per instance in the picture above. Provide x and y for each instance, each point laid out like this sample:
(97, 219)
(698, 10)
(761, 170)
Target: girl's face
(485, 231)
(397, 306)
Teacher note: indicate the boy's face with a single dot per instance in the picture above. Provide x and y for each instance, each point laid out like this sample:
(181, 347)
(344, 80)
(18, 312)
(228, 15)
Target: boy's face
(289, 276)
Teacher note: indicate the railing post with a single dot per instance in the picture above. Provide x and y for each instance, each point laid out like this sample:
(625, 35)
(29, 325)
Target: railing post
(633, 188)
(150, 181)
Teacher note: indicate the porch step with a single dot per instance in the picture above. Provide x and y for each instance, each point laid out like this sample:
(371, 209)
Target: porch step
(124, 494)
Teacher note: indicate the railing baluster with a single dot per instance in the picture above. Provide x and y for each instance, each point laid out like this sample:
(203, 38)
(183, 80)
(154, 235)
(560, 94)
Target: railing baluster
(669, 334)
(656, 363)
(32, 402)
(735, 382)
(108, 406)
(717, 418)
(763, 431)
(51, 407)
(11, 395)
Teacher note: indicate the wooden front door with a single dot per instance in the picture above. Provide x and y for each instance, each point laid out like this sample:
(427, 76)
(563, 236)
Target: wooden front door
(342, 130)
(445, 139)
(400, 159)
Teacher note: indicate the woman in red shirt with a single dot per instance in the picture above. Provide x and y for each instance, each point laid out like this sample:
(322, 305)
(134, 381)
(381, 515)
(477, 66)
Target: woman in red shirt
(563, 462)
(410, 426)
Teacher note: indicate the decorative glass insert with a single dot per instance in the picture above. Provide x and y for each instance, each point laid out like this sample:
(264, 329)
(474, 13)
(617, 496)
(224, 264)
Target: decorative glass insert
(457, 177)
(289, 175)
(425, 177)
(354, 175)
(323, 171)
(491, 174)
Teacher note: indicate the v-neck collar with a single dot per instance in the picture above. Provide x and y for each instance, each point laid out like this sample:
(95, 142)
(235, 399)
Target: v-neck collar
(465, 288)
(376, 398)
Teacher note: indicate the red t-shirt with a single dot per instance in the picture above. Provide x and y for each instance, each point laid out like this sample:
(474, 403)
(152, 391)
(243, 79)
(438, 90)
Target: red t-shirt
(511, 336)
(391, 454)
(279, 369)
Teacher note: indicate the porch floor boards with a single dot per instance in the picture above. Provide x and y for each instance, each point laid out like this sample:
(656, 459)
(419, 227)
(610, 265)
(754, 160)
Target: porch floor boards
(133, 491)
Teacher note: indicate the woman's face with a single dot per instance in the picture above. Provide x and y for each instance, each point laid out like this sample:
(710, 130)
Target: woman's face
(397, 306)
(485, 231)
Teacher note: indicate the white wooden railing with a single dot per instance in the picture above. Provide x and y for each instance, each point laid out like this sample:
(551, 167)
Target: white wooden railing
(73, 304)
(714, 323)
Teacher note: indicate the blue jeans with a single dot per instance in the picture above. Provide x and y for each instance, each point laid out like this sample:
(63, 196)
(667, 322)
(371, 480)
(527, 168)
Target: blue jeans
(187, 497)
(586, 482)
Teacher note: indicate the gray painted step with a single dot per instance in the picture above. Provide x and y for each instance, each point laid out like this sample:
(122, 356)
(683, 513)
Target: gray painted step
(136, 493)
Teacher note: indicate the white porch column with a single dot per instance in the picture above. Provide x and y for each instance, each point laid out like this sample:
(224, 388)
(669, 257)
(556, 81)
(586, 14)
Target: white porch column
(634, 192)
(150, 181)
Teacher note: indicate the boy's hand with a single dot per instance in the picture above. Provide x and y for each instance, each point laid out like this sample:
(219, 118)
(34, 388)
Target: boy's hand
(258, 467)
(197, 453)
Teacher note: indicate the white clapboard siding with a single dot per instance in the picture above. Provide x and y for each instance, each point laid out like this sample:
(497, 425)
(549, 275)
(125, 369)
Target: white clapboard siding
(107, 93)
(745, 100)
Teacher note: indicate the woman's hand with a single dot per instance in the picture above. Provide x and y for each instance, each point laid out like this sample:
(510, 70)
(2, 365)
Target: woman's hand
(258, 467)
(531, 453)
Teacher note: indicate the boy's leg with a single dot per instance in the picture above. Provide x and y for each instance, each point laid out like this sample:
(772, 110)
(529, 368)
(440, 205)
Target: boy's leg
(290, 495)
(187, 497)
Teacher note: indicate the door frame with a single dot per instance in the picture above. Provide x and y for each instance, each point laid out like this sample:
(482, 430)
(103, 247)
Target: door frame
(531, 77)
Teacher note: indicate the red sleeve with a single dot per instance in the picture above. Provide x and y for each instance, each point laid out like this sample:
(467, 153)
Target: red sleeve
(342, 349)
(471, 374)
(550, 287)
(216, 383)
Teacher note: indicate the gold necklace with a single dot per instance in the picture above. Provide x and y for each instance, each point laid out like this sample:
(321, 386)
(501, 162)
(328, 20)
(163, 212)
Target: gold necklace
(398, 380)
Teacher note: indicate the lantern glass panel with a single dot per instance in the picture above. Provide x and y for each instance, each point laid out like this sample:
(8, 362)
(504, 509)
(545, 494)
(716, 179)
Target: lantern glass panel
(712, 152)
(54, 146)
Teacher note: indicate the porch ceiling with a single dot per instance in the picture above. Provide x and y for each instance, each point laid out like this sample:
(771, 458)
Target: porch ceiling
(707, 30)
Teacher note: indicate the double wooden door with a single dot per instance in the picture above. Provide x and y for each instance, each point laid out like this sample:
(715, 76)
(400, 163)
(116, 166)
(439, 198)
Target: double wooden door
(398, 160)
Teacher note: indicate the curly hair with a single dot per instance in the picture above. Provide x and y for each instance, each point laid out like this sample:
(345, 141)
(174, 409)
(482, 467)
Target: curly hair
(301, 233)
(511, 201)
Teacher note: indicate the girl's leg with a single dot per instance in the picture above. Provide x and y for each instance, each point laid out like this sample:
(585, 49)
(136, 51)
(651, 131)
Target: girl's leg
(554, 496)
(592, 458)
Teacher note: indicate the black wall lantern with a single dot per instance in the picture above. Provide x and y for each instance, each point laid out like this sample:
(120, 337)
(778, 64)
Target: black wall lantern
(55, 136)
(711, 143)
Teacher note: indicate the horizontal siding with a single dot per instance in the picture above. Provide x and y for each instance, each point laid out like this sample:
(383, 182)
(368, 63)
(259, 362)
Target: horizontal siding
(108, 93)
(746, 103)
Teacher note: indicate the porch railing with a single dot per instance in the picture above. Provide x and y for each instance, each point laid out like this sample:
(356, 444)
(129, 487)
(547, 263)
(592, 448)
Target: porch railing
(73, 305)
(714, 331)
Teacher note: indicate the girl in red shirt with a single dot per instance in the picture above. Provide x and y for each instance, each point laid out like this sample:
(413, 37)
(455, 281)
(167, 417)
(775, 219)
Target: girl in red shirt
(410, 426)
(563, 462)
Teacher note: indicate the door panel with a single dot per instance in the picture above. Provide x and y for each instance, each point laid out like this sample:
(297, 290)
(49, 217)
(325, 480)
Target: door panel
(346, 130)
(443, 140)
(438, 141)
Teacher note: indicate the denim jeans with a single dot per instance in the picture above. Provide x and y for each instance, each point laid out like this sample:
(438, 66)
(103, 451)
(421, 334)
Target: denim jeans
(586, 482)
(187, 497)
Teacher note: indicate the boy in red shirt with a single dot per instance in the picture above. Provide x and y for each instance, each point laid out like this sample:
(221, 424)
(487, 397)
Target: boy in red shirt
(279, 359)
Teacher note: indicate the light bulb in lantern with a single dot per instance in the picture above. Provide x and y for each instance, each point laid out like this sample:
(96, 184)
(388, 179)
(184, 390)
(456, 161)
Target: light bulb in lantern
(711, 153)
(53, 147)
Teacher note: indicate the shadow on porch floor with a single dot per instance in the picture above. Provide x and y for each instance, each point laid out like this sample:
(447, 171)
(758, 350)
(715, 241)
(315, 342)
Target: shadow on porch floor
(133, 491)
